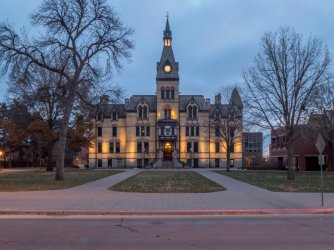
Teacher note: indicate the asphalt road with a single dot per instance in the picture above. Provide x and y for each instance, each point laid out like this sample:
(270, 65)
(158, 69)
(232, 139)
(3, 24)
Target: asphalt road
(211, 232)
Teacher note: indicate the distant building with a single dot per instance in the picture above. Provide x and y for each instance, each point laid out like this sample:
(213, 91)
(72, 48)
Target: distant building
(305, 153)
(166, 130)
(252, 149)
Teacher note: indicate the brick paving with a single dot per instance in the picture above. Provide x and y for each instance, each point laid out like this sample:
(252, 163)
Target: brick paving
(95, 196)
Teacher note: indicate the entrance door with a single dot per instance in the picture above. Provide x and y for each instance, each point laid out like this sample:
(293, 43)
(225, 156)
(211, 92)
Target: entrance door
(167, 151)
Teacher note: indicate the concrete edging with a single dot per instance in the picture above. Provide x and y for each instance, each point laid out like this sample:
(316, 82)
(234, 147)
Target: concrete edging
(174, 212)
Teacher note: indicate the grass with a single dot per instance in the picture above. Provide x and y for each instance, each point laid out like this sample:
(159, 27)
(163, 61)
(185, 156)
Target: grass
(42, 180)
(277, 180)
(167, 182)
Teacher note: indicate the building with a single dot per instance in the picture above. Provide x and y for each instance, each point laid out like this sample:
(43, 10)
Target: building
(252, 149)
(166, 130)
(305, 153)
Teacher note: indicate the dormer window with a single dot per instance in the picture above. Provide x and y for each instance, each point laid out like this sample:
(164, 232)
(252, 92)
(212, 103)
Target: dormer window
(142, 111)
(192, 112)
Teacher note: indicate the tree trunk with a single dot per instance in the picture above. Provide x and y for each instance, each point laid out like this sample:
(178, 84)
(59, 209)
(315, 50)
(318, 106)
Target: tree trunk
(291, 175)
(61, 145)
(228, 159)
(49, 166)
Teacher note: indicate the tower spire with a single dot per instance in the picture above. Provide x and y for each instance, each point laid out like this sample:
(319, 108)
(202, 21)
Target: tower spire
(167, 33)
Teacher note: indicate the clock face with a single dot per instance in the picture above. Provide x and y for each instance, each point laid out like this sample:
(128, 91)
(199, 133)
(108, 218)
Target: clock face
(168, 68)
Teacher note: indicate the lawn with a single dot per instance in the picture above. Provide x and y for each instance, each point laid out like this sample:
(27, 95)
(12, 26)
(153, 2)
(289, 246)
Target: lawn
(167, 182)
(42, 180)
(277, 180)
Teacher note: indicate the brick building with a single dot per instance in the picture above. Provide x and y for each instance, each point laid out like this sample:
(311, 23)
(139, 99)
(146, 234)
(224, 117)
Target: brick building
(305, 153)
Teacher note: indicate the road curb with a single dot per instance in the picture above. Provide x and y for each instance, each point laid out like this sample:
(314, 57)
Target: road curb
(173, 212)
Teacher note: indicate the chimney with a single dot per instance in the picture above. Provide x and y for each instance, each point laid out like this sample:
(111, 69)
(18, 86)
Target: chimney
(218, 99)
(207, 101)
(127, 100)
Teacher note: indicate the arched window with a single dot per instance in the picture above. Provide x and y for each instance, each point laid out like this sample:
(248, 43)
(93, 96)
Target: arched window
(167, 113)
(190, 112)
(140, 111)
(167, 94)
(194, 112)
(162, 93)
(145, 112)
(172, 94)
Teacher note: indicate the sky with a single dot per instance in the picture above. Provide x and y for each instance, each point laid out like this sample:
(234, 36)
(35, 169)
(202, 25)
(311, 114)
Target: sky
(214, 41)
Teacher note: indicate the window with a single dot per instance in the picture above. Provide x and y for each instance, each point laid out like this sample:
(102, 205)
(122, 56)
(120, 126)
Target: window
(172, 94)
(189, 162)
(194, 112)
(195, 160)
(167, 114)
(139, 147)
(190, 112)
(197, 131)
(189, 149)
(114, 115)
(99, 163)
(109, 163)
(118, 147)
(167, 94)
(216, 163)
(99, 131)
(145, 112)
(146, 147)
(192, 130)
(139, 163)
(99, 147)
(142, 131)
(232, 146)
(217, 147)
(111, 147)
(195, 147)
(140, 111)
(114, 131)
(146, 162)
(162, 94)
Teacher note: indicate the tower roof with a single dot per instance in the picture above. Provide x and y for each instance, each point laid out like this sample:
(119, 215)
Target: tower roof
(167, 31)
(167, 58)
(235, 98)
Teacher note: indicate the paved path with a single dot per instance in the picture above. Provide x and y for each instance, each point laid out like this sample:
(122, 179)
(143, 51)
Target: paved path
(95, 196)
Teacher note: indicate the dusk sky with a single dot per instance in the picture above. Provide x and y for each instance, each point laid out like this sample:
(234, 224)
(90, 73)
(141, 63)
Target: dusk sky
(213, 40)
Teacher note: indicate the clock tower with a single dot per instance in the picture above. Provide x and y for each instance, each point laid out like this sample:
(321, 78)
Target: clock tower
(167, 84)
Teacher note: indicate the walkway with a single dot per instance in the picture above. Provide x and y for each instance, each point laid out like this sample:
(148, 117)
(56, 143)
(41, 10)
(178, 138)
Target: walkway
(95, 196)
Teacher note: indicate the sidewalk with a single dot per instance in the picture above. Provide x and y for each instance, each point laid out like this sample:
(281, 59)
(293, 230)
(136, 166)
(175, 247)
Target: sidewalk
(95, 198)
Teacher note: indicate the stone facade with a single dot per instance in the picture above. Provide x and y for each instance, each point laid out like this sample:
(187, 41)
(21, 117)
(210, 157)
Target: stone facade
(166, 130)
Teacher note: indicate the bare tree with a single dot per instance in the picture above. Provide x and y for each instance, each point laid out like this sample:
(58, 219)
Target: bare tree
(227, 121)
(81, 41)
(286, 72)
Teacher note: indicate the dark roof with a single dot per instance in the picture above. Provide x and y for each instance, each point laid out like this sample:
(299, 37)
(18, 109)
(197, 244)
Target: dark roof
(151, 101)
(235, 99)
(108, 109)
(184, 100)
(167, 31)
